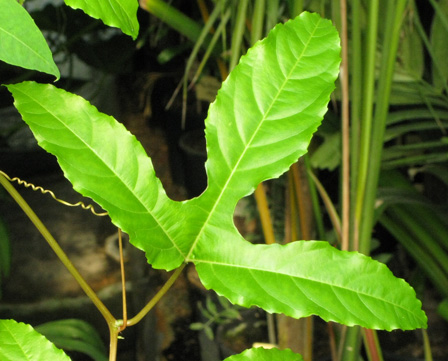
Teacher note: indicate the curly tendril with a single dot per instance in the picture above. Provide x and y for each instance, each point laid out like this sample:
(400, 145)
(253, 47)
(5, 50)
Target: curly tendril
(46, 191)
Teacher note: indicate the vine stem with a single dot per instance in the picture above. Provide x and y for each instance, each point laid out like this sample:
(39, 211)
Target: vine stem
(123, 281)
(57, 249)
(157, 297)
(115, 326)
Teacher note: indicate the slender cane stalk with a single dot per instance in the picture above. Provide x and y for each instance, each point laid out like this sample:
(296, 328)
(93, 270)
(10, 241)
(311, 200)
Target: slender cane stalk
(265, 216)
(345, 130)
(372, 345)
(356, 83)
(393, 25)
(272, 11)
(371, 143)
(176, 19)
(296, 8)
(367, 105)
(238, 33)
(257, 21)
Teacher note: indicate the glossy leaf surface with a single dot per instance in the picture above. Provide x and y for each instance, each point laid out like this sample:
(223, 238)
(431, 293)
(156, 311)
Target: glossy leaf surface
(261, 354)
(261, 122)
(21, 42)
(20, 342)
(117, 13)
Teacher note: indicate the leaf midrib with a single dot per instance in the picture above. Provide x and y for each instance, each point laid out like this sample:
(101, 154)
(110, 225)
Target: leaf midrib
(276, 272)
(223, 189)
(27, 47)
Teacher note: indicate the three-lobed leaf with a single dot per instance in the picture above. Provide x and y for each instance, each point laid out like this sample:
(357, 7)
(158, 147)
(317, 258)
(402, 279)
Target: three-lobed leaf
(21, 42)
(117, 13)
(261, 122)
(20, 342)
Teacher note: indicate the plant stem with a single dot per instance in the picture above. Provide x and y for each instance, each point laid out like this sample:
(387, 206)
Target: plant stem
(373, 348)
(426, 346)
(393, 25)
(367, 107)
(123, 281)
(157, 297)
(257, 21)
(351, 344)
(355, 68)
(333, 214)
(238, 33)
(197, 45)
(265, 216)
(113, 335)
(320, 228)
(57, 249)
(272, 12)
(345, 131)
(176, 19)
(296, 8)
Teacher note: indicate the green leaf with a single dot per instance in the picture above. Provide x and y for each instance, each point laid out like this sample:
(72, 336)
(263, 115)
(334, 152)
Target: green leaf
(328, 155)
(230, 313)
(20, 342)
(117, 13)
(75, 335)
(261, 122)
(261, 354)
(21, 42)
(197, 326)
(209, 333)
(211, 306)
(313, 278)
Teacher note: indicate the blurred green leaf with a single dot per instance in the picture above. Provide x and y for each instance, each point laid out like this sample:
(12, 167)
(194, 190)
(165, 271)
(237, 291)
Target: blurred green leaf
(328, 155)
(209, 333)
(230, 313)
(211, 306)
(75, 335)
(197, 326)
(439, 45)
